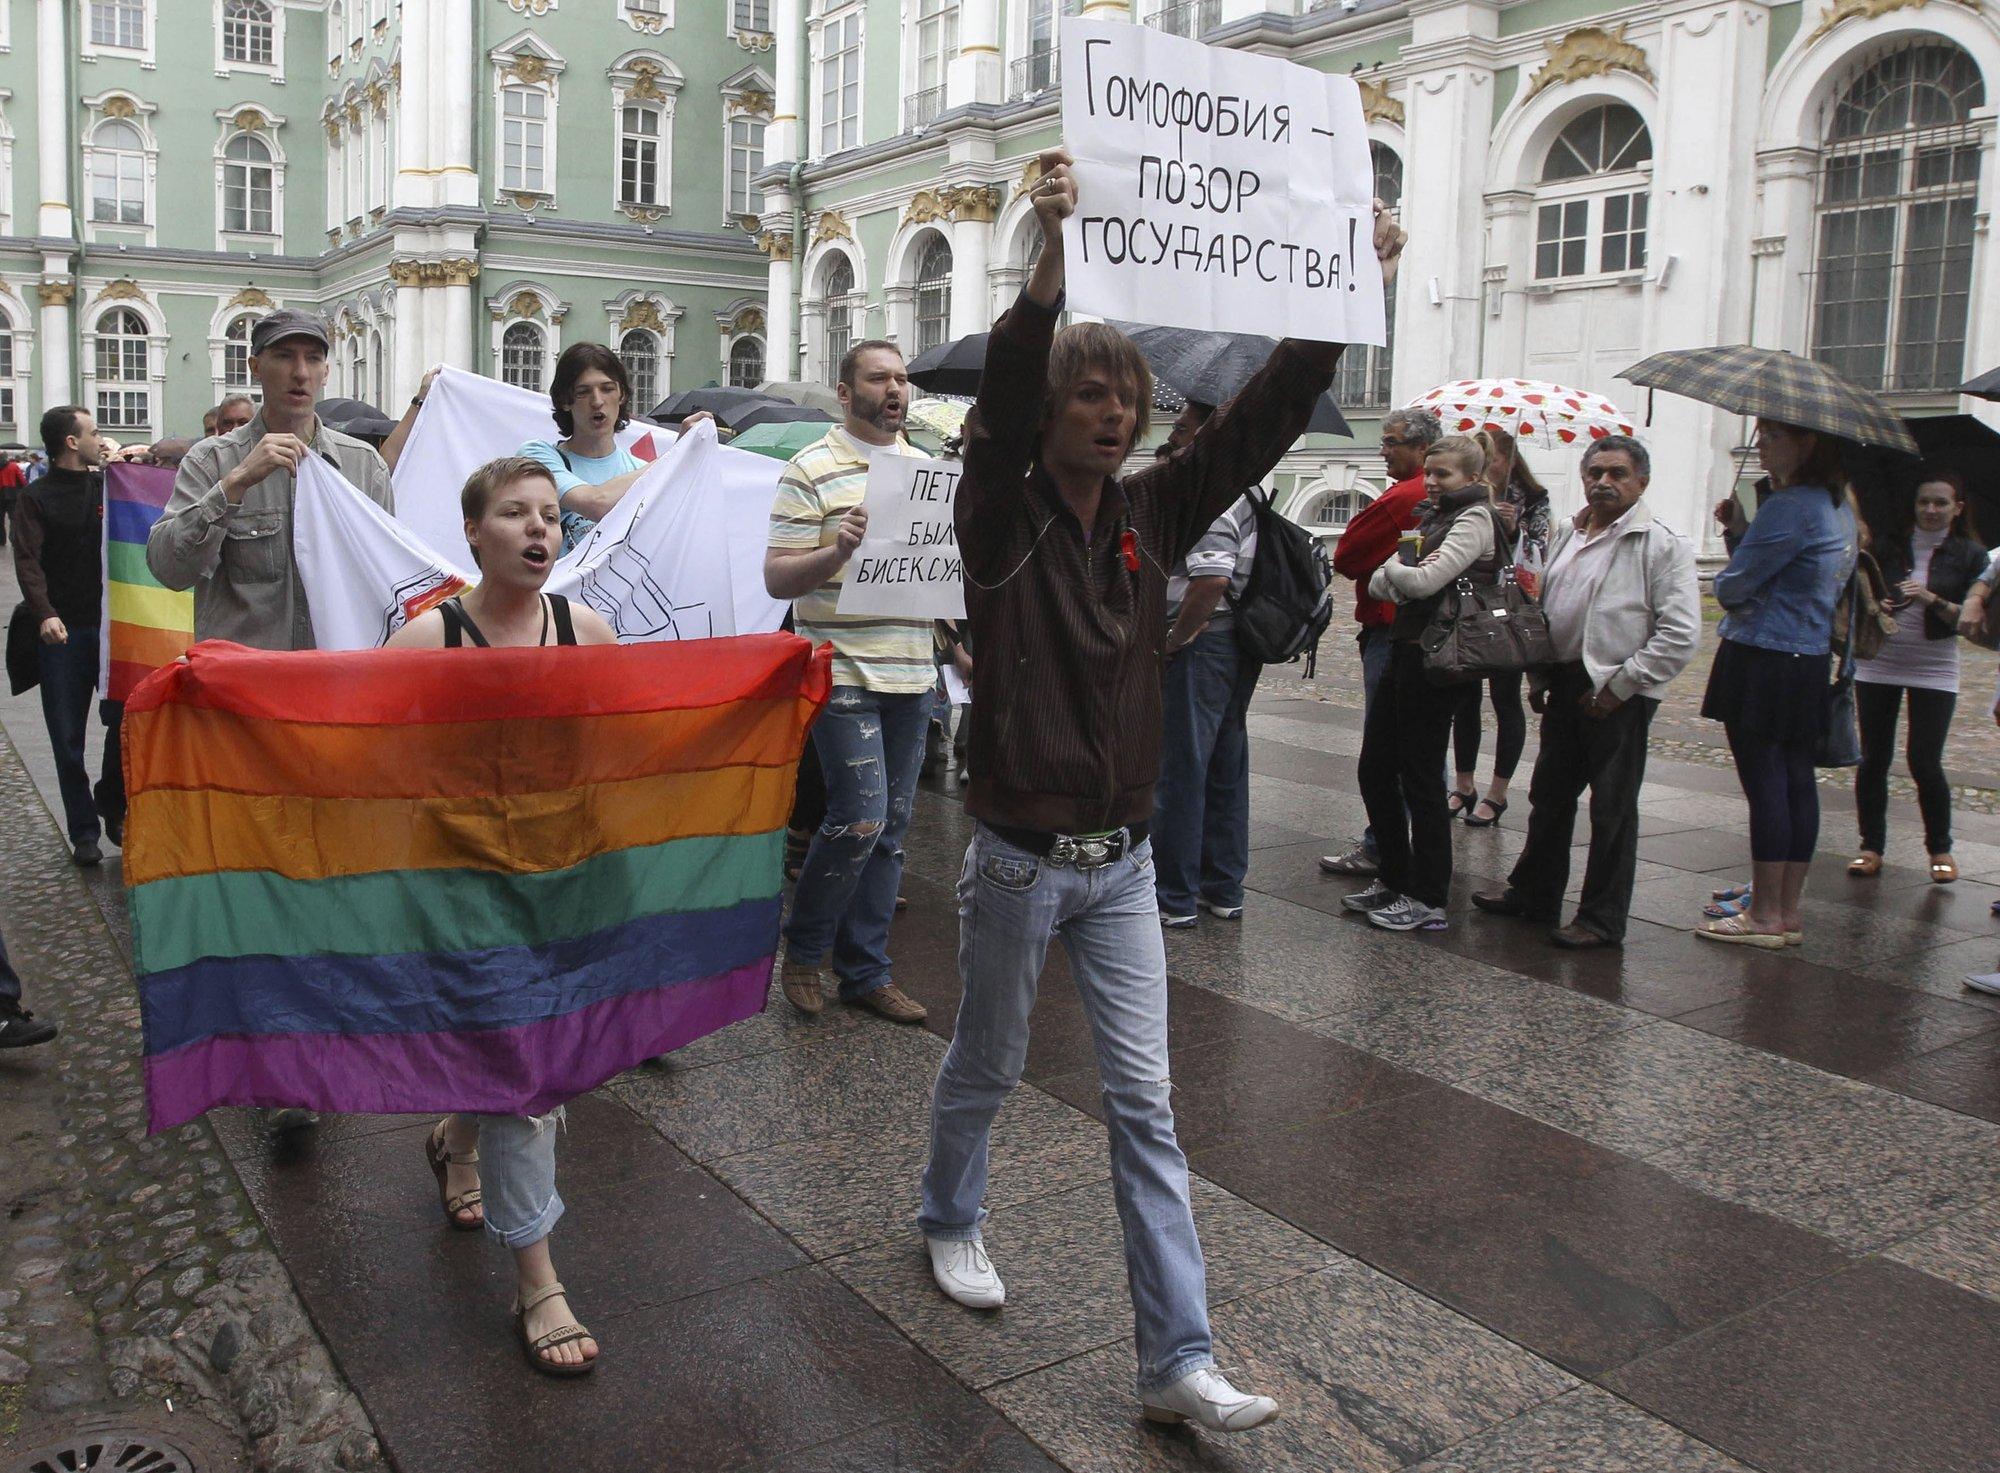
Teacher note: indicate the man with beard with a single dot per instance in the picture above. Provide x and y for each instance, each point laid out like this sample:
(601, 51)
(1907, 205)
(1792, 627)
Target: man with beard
(870, 737)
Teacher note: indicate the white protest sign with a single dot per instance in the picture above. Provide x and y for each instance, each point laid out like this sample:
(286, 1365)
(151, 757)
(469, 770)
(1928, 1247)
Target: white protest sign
(1217, 190)
(907, 567)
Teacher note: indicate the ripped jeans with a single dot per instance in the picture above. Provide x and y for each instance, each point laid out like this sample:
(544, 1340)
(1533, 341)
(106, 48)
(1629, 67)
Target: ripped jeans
(1009, 904)
(870, 747)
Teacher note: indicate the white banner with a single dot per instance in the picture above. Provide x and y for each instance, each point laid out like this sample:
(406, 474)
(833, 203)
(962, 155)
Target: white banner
(365, 575)
(907, 567)
(467, 420)
(1217, 190)
(681, 556)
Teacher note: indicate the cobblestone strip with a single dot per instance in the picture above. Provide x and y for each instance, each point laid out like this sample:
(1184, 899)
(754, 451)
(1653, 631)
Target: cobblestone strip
(153, 1239)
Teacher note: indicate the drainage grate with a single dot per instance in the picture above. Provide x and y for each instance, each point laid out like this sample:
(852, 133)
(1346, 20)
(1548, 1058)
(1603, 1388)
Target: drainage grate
(133, 1442)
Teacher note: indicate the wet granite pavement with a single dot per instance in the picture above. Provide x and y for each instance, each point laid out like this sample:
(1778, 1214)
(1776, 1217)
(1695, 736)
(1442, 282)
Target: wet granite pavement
(1469, 1203)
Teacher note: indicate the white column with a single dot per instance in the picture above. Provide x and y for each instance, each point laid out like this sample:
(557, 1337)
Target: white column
(971, 293)
(414, 186)
(975, 74)
(56, 370)
(457, 308)
(53, 110)
(461, 86)
(781, 353)
(783, 138)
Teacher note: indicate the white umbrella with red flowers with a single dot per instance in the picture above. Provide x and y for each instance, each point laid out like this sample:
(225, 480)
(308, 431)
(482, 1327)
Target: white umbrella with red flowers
(1527, 409)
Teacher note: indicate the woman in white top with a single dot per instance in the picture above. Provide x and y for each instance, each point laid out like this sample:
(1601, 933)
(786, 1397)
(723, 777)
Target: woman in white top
(1929, 570)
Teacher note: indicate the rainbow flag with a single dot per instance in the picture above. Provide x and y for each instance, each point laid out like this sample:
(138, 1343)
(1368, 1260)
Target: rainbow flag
(433, 880)
(145, 626)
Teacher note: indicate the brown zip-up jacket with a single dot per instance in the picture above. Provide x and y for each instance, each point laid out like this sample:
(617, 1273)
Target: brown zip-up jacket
(1066, 709)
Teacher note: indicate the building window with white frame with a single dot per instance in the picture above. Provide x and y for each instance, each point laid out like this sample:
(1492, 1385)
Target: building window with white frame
(236, 375)
(524, 357)
(837, 292)
(119, 23)
(1190, 18)
(1363, 379)
(746, 162)
(9, 406)
(936, 44)
(639, 138)
(639, 351)
(249, 186)
(1897, 213)
(524, 136)
(649, 15)
(1036, 69)
(746, 363)
(117, 173)
(750, 17)
(248, 32)
(124, 371)
(840, 82)
(336, 27)
(933, 293)
(1594, 190)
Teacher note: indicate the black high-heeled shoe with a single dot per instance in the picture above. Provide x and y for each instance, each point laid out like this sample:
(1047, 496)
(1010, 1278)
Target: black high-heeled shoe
(1474, 821)
(1457, 804)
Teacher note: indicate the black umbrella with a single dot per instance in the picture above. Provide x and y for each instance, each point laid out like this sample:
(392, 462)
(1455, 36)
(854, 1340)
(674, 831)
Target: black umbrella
(353, 417)
(728, 405)
(951, 368)
(1213, 367)
(779, 414)
(1885, 482)
(1986, 386)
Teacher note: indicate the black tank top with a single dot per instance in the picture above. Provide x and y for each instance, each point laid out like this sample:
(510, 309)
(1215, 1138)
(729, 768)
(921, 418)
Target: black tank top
(458, 625)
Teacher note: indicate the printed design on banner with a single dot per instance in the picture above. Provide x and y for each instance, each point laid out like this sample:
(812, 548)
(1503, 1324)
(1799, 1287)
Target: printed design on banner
(634, 604)
(418, 595)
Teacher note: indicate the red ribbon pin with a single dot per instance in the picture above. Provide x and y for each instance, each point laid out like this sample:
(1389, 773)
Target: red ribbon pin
(1128, 548)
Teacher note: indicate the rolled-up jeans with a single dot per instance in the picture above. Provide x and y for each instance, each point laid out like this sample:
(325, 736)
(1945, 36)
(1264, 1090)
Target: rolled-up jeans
(517, 1176)
(1010, 902)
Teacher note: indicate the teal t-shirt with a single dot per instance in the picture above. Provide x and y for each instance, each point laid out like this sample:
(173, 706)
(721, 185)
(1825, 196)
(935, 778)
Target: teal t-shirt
(579, 470)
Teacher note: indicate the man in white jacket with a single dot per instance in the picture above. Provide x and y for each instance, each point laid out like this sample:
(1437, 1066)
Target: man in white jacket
(1624, 609)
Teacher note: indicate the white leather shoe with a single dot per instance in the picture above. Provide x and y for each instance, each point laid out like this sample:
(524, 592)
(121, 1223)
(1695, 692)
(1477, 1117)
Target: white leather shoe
(1204, 1397)
(965, 1273)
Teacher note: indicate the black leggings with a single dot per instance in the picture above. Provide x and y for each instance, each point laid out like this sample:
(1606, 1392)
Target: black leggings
(1779, 782)
(1930, 719)
(1510, 726)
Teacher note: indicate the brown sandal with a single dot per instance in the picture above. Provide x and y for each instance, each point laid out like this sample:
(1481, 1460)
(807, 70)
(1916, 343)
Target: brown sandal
(1867, 864)
(535, 1349)
(1944, 869)
(439, 1158)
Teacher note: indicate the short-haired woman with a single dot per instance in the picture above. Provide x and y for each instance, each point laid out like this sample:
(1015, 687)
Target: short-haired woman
(512, 525)
(1930, 565)
(1769, 686)
(592, 400)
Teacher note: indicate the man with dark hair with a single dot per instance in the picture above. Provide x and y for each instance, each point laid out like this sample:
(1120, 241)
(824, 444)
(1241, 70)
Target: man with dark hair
(58, 551)
(1065, 585)
(592, 400)
(870, 737)
(1624, 607)
(1367, 542)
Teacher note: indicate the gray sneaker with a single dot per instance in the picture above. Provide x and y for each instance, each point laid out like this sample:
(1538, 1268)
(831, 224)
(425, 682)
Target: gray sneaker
(1988, 982)
(1373, 898)
(1356, 861)
(1408, 915)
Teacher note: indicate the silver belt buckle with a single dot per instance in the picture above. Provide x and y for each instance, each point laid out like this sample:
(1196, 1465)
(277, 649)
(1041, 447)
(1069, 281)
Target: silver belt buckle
(1064, 851)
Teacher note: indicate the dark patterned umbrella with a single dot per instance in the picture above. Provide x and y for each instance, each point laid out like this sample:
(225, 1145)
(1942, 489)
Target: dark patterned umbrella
(1213, 367)
(779, 414)
(728, 405)
(1986, 386)
(1772, 384)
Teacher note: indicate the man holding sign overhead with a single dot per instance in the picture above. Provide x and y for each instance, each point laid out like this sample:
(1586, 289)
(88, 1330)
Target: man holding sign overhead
(870, 737)
(1065, 587)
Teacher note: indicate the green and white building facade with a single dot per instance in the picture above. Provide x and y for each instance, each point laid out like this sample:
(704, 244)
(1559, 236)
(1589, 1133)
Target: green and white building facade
(732, 190)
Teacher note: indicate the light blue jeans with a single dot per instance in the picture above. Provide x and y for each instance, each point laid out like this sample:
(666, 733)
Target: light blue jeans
(517, 1176)
(1009, 904)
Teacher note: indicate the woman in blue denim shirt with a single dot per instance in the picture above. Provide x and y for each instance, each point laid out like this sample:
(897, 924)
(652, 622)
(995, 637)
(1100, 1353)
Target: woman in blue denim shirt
(1770, 681)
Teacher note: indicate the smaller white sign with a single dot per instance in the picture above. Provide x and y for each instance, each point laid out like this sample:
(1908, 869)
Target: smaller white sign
(955, 689)
(908, 566)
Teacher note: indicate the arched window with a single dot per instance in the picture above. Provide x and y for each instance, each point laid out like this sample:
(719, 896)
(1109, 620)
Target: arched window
(378, 352)
(1363, 381)
(1337, 508)
(933, 293)
(1594, 189)
(246, 32)
(336, 26)
(1898, 195)
(124, 369)
(639, 155)
(236, 355)
(746, 363)
(837, 289)
(117, 173)
(639, 351)
(524, 357)
(9, 406)
(248, 182)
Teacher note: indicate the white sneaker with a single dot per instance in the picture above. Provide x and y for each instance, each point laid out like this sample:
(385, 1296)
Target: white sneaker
(1408, 915)
(1223, 912)
(1205, 1398)
(1374, 897)
(1985, 982)
(1174, 921)
(965, 1273)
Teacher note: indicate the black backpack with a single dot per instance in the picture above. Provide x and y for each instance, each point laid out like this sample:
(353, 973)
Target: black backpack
(1288, 601)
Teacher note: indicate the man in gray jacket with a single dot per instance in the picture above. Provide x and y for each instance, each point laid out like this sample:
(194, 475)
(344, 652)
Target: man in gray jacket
(1624, 609)
(227, 528)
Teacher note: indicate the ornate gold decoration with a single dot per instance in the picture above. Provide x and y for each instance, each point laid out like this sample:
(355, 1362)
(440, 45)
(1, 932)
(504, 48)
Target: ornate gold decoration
(1030, 176)
(249, 120)
(747, 223)
(524, 304)
(750, 319)
(761, 103)
(120, 107)
(643, 214)
(125, 289)
(529, 67)
(1377, 106)
(1845, 10)
(531, 7)
(526, 201)
(832, 225)
(354, 114)
(378, 98)
(928, 205)
(332, 129)
(458, 271)
(56, 293)
(643, 313)
(777, 247)
(652, 25)
(756, 40)
(979, 202)
(1588, 51)
(252, 296)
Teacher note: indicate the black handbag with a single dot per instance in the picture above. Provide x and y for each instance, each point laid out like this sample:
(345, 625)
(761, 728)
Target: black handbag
(1840, 744)
(1482, 629)
(24, 652)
